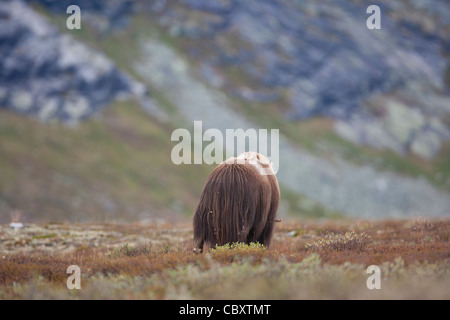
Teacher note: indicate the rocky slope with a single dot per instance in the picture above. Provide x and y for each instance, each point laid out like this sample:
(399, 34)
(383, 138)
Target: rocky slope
(250, 64)
(387, 88)
(49, 74)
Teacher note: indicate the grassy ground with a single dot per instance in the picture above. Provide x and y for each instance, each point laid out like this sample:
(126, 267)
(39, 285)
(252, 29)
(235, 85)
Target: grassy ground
(308, 259)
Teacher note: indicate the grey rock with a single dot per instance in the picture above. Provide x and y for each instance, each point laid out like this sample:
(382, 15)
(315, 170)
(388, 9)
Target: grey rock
(52, 75)
(21, 100)
(426, 144)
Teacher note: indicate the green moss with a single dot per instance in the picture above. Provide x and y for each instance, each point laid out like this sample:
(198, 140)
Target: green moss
(44, 236)
(239, 247)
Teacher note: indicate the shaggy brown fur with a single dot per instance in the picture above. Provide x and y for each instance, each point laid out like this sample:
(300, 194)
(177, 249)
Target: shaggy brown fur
(238, 203)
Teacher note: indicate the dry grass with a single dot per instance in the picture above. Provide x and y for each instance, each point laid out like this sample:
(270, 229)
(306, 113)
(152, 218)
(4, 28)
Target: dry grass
(340, 242)
(156, 262)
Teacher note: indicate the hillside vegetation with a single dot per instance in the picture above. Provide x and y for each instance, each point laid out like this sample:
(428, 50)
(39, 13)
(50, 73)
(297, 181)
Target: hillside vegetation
(112, 168)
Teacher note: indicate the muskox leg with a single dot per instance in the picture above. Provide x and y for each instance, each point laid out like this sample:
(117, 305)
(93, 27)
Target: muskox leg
(266, 237)
(199, 238)
(199, 231)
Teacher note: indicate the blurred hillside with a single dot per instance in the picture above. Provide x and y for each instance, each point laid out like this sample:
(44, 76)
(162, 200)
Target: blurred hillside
(364, 115)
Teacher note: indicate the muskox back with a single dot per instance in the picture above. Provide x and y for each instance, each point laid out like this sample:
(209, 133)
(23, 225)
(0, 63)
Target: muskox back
(238, 203)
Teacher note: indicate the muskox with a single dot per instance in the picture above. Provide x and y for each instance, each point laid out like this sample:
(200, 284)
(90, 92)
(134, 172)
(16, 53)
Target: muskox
(238, 203)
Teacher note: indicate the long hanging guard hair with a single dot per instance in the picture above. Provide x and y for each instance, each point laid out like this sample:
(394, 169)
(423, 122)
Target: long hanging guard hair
(238, 203)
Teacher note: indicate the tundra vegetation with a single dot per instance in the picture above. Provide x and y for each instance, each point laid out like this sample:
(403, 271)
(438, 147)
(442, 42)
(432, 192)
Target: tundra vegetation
(307, 259)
